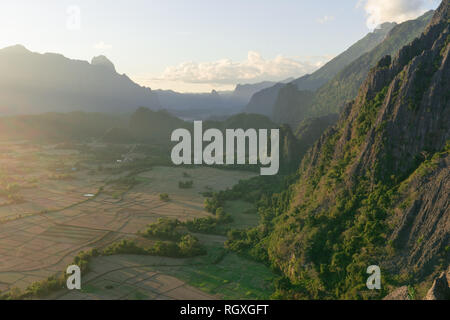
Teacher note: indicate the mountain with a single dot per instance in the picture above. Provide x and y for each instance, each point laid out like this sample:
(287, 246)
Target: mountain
(201, 106)
(344, 86)
(329, 70)
(290, 146)
(154, 125)
(263, 102)
(375, 188)
(65, 85)
(297, 105)
(243, 92)
(288, 96)
(175, 101)
(146, 126)
(155, 128)
(310, 130)
(104, 62)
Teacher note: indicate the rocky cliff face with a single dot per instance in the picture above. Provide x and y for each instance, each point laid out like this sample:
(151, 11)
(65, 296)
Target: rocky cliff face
(410, 117)
(421, 220)
(440, 290)
(410, 127)
(375, 188)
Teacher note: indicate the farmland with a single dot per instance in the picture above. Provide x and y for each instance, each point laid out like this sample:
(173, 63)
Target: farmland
(56, 202)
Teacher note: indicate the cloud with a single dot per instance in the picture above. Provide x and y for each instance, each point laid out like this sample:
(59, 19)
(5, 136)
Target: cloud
(325, 19)
(379, 11)
(254, 68)
(102, 46)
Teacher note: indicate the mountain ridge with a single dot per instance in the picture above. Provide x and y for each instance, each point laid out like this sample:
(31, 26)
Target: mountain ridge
(263, 102)
(343, 87)
(65, 85)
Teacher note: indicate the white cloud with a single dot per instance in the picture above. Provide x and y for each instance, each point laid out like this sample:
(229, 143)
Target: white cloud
(325, 19)
(102, 46)
(379, 11)
(254, 68)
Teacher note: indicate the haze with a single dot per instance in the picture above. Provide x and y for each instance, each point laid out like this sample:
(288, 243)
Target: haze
(198, 46)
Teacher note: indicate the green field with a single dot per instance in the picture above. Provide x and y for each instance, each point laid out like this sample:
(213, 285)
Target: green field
(233, 277)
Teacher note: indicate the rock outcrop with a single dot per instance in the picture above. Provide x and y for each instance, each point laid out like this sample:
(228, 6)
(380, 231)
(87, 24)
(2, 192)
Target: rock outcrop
(440, 290)
(400, 293)
(104, 62)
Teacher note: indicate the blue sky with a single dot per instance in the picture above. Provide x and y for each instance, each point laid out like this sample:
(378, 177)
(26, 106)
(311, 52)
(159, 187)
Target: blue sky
(198, 45)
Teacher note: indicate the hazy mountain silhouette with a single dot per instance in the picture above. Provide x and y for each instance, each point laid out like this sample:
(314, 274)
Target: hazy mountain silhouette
(35, 83)
(204, 105)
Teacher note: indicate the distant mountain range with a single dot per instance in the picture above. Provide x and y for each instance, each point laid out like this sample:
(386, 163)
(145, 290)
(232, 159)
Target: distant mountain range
(223, 99)
(67, 85)
(211, 105)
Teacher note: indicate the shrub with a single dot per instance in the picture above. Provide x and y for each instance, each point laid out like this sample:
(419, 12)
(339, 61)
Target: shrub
(164, 197)
(164, 228)
(190, 246)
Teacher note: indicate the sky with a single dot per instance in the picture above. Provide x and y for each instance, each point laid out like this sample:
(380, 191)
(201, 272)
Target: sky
(200, 45)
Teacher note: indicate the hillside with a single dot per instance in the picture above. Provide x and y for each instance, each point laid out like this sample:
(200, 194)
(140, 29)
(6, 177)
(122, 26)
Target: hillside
(333, 67)
(374, 189)
(146, 126)
(310, 130)
(263, 102)
(65, 85)
(288, 97)
(343, 87)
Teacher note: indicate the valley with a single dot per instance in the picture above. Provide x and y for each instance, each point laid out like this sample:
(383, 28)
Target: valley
(170, 194)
